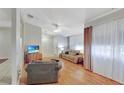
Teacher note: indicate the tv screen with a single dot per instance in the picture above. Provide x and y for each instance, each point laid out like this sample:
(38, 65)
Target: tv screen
(32, 48)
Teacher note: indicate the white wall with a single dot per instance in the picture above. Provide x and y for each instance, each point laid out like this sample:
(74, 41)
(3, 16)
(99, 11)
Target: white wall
(55, 45)
(5, 42)
(47, 45)
(5, 52)
(59, 42)
(62, 42)
(32, 35)
(77, 42)
(15, 45)
(106, 18)
(5, 17)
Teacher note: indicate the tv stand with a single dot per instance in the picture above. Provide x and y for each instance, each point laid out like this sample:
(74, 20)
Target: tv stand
(29, 57)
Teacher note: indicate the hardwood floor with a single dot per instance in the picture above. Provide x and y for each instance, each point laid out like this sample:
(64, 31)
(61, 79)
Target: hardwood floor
(5, 72)
(75, 74)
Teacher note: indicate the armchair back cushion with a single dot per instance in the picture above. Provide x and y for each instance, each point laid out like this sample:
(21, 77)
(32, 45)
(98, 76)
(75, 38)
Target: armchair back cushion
(42, 72)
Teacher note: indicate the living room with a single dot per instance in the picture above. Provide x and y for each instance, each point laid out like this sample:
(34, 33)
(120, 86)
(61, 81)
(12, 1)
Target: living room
(67, 42)
(58, 46)
(50, 46)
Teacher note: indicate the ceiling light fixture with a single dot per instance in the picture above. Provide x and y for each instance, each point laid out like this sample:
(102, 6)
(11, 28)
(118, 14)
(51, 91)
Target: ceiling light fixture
(57, 30)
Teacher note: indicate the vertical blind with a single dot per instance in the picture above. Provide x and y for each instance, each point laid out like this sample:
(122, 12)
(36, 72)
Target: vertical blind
(107, 53)
(118, 64)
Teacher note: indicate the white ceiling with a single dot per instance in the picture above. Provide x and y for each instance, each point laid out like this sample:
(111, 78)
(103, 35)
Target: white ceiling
(70, 20)
(5, 17)
(5, 14)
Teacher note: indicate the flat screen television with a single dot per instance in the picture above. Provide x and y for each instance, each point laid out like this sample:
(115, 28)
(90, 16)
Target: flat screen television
(33, 48)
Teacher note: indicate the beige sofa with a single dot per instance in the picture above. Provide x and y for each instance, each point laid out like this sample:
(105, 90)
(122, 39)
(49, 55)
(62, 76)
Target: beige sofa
(72, 55)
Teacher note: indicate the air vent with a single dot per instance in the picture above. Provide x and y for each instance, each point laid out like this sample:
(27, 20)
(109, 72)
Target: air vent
(56, 25)
(30, 16)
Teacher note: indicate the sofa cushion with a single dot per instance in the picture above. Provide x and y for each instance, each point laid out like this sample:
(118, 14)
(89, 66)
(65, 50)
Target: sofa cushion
(75, 51)
(71, 57)
(72, 53)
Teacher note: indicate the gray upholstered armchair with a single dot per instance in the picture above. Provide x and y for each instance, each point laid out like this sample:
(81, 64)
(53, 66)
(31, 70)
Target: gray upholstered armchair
(42, 72)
